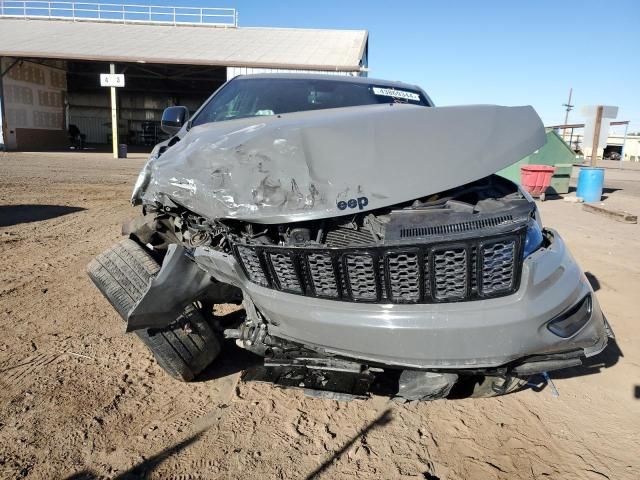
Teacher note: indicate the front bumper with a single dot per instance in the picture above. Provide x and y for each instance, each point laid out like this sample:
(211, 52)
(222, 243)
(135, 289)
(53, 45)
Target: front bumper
(476, 334)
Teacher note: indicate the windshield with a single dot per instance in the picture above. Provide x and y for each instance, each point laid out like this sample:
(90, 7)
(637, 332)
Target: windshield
(246, 97)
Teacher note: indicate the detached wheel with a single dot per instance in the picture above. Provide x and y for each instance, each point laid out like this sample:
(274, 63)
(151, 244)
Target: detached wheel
(490, 386)
(184, 348)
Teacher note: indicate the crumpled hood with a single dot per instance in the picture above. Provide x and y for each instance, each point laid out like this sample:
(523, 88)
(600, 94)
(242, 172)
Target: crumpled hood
(327, 163)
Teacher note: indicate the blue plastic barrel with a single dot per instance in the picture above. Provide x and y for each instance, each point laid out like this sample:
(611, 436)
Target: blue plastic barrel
(590, 182)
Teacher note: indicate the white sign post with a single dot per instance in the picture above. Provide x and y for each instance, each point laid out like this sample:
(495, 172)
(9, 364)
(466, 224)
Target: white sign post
(113, 81)
(596, 128)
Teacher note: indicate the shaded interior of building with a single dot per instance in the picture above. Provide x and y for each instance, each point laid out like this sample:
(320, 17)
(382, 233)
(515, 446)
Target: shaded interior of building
(149, 89)
(45, 99)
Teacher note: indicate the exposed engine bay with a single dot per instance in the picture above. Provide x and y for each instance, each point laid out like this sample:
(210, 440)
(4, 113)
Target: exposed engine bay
(487, 203)
(298, 257)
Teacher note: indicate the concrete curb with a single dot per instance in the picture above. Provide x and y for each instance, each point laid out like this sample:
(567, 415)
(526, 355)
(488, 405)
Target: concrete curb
(617, 215)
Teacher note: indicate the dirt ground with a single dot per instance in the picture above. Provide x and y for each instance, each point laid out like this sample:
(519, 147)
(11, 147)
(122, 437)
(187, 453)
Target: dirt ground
(80, 399)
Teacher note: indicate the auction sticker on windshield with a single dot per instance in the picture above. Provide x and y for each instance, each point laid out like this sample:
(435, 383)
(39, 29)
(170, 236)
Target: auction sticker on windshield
(390, 92)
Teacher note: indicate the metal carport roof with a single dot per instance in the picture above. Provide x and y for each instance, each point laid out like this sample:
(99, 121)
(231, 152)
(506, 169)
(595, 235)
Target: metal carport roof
(287, 48)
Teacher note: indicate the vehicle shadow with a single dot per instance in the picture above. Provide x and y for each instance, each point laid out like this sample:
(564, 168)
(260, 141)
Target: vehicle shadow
(15, 214)
(144, 468)
(590, 366)
(232, 359)
(605, 359)
(610, 356)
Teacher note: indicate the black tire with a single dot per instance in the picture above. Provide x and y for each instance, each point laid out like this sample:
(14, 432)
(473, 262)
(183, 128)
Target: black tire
(490, 386)
(184, 348)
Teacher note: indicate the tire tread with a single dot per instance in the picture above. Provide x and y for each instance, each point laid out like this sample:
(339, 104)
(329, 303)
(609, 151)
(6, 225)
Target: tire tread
(122, 274)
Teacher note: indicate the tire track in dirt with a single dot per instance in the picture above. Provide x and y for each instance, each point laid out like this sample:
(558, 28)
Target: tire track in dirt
(15, 376)
(106, 415)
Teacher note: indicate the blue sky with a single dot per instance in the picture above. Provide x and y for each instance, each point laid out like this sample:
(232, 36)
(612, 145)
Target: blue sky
(504, 52)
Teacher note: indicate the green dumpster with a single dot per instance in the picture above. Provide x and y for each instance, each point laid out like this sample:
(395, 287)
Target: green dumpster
(555, 153)
(560, 180)
(512, 172)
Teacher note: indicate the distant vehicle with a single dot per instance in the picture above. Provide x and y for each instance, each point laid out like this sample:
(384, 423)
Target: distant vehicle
(365, 234)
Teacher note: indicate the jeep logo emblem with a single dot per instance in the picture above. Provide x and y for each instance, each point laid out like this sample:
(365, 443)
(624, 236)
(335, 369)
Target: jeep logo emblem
(359, 202)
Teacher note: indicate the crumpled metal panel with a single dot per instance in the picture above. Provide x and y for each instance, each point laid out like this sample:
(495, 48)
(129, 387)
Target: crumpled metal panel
(327, 163)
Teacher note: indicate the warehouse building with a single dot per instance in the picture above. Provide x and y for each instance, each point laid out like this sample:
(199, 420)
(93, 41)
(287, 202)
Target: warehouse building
(50, 64)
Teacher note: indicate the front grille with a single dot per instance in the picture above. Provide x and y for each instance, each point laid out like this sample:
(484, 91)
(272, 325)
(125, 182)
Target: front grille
(497, 265)
(321, 269)
(432, 273)
(285, 272)
(404, 276)
(450, 273)
(251, 263)
(360, 269)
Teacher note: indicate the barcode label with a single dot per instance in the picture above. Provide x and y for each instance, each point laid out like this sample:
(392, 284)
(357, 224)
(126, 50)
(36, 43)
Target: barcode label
(390, 92)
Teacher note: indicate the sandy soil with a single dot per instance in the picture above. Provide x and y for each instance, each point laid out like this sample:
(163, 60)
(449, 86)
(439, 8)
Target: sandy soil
(79, 399)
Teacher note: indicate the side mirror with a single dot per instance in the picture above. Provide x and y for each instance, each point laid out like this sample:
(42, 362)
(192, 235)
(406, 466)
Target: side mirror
(173, 118)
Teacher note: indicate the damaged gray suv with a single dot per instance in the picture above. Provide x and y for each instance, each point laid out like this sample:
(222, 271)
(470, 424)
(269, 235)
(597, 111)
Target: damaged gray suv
(365, 234)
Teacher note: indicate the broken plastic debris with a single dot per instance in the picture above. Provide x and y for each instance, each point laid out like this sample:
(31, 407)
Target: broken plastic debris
(552, 386)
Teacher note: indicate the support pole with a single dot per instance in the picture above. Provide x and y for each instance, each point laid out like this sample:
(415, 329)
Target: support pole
(566, 115)
(4, 137)
(114, 114)
(624, 141)
(596, 136)
(571, 140)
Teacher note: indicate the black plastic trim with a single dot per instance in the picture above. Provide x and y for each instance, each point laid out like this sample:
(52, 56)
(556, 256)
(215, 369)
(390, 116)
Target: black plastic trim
(379, 255)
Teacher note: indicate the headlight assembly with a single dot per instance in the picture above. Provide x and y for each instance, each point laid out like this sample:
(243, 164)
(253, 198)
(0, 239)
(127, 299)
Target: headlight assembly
(534, 238)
